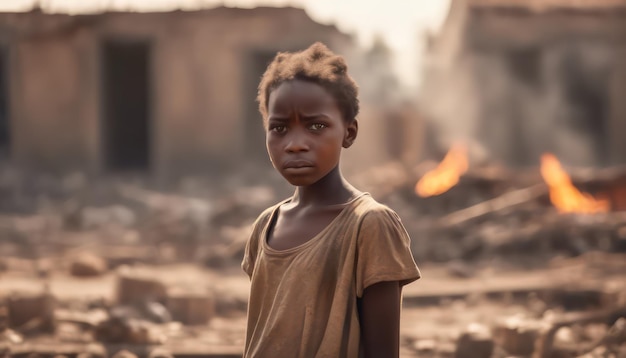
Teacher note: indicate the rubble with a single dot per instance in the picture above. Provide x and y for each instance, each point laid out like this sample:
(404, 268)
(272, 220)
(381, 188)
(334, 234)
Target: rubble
(124, 354)
(191, 308)
(97, 218)
(88, 265)
(10, 337)
(231, 252)
(28, 313)
(160, 352)
(133, 286)
(128, 330)
(517, 335)
(4, 317)
(460, 269)
(504, 272)
(475, 342)
(547, 344)
(150, 311)
(425, 346)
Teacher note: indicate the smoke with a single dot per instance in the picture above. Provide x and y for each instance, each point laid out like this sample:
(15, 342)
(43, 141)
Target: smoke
(513, 104)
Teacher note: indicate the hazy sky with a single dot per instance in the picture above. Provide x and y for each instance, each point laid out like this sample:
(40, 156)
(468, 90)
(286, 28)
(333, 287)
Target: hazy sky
(400, 22)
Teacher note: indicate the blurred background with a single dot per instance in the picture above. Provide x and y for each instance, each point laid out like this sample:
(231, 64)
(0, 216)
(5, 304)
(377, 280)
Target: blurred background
(132, 164)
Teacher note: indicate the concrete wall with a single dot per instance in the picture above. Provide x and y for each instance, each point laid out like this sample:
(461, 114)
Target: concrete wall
(53, 108)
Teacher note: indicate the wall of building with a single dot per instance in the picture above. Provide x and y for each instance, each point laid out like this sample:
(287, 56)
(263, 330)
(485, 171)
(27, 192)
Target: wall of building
(618, 108)
(201, 84)
(53, 113)
(522, 83)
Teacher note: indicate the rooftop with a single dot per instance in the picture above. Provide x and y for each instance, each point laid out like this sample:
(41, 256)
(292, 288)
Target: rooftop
(548, 5)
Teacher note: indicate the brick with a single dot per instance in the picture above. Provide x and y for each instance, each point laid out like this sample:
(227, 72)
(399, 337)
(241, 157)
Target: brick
(124, 354)
(475, 342)
(23, 309)
(87, 265)
(518, 336)
(135, 287)
(191, 308)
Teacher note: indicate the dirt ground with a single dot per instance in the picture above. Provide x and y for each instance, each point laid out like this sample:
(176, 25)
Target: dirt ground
(95, 268)
(437, 309)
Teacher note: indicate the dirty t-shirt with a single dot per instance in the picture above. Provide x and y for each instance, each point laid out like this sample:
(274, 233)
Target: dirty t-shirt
(303, 300)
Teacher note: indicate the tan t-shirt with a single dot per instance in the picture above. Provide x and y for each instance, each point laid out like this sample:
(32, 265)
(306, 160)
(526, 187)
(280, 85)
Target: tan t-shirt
(303, 301)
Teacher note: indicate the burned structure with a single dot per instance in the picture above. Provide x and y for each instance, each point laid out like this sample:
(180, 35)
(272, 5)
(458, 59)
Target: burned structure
(521, 78)
(160, 93)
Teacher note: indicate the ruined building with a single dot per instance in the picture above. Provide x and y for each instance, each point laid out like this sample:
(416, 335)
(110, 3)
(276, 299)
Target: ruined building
(164, 93)
(518, 78)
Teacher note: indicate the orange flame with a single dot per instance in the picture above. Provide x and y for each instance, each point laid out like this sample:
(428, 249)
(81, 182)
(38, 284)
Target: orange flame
(446, 174)
(563, 194)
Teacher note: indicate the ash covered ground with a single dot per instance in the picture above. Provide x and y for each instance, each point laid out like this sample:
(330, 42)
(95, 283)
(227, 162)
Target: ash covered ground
(117, 267)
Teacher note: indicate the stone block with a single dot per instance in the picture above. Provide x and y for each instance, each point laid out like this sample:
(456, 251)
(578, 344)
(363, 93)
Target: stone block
(134, 286)
(125, 354)
(128, 331)
(36, 311)
(475, 342)
(191, 308)
(87, 265)
(518, 335)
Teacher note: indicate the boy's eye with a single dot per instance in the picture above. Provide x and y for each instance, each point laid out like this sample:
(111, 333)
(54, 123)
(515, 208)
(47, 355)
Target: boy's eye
(278, 128)
(317, 126)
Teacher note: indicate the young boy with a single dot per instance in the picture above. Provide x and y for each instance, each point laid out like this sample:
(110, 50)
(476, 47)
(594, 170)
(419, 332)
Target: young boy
(327, 265)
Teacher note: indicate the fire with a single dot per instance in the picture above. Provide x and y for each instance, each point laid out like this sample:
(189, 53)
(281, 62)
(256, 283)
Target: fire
(446, 174)
(563, 194)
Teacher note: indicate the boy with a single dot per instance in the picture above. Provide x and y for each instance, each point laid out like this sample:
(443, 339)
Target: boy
(327, 265)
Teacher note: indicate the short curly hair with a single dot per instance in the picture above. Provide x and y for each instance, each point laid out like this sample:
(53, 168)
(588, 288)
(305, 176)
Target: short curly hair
(316, 64)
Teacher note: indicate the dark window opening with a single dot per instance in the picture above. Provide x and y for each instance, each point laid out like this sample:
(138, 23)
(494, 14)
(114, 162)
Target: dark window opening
(4, 104)
(126, 127)
(587, 96)
(396, 130)
(253, 121)
(525, 64)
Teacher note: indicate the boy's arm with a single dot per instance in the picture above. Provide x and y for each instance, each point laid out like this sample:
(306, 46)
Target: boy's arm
(380, 319)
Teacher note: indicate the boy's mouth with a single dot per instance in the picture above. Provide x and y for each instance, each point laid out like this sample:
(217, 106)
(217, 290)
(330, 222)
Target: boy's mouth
(297, 164)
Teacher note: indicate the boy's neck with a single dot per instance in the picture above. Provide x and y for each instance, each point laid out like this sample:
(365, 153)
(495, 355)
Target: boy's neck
(332, 189)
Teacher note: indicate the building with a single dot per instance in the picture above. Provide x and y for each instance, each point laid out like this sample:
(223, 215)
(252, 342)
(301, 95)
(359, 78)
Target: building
(167, 94)
(518, 78)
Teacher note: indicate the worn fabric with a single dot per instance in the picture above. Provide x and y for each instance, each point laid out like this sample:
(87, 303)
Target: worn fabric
(303, 301)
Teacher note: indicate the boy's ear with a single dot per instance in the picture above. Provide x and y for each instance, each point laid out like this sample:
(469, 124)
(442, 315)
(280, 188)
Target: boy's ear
(351, 131)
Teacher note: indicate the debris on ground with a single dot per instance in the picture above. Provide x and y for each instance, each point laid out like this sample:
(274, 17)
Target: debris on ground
(126, 270)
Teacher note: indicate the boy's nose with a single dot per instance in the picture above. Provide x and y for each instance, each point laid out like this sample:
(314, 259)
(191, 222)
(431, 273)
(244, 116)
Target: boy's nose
(296, 143)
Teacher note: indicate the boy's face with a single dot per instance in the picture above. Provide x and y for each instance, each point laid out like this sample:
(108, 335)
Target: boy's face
(305, 132)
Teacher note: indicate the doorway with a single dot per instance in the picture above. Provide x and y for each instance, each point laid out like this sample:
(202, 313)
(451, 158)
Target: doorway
(126, 104)
(5, 136)
(254, 140)
(587, 95)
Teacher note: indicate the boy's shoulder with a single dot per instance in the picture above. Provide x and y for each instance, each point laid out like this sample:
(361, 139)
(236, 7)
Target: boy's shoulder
(373, 214)
(371, 207)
